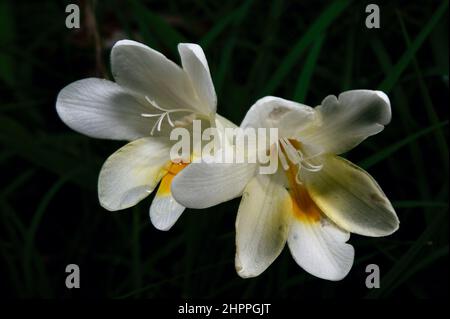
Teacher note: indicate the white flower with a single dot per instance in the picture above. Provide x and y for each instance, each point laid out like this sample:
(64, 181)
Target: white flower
(151, 95)
(315, 199)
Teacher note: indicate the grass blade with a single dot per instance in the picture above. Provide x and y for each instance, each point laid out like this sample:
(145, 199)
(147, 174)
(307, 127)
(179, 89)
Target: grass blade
(433, 117)
(152, 24)
(322, 22)
(397, 70)
(308, 69)
(394, 276)
(386, 152)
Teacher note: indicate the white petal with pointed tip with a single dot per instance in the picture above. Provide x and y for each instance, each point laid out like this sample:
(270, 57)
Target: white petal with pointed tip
(349, 119)
(320, 248)
(132, 172)
(262, 225)
(148, 72)
(351, 198)
(289, 117)
(102, 109)
(196, 66)
(222, 122)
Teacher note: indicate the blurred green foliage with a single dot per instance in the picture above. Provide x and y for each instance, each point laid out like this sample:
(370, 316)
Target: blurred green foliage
(301, 50)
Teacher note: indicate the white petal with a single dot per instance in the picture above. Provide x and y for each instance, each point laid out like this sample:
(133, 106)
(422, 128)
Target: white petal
(144, 70)
(319, 248)
(131, 173)
(222, 122)
(202, 185)
(289, 117)
(165, 211)
(262, 225)
(351, 198)
(349, 119)
(196, 66)
(102, 109)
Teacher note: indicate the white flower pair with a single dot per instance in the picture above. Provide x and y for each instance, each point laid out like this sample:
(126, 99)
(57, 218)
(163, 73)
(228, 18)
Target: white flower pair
(312, 202)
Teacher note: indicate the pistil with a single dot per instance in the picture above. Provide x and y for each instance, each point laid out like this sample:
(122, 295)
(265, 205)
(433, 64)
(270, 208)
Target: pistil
(164, 114)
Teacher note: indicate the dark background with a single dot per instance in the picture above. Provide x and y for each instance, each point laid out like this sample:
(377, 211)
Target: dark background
(300, 50)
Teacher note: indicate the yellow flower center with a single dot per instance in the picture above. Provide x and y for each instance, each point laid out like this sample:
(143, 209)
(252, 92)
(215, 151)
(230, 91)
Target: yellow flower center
(172, 170)
(303, 205)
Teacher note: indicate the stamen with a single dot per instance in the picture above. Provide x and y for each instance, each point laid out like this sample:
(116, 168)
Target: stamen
(165, 113)
(149, 115)
(311, 167)
(169, 120)
(297, 176)
(283, 160)
(296, 157)
(155, 125)
(154, 104)
(291, 152)
(160, 121)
